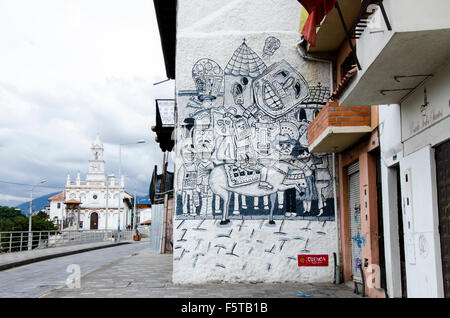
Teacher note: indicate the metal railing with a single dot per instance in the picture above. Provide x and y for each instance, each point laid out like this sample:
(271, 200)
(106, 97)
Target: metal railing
(17, 241)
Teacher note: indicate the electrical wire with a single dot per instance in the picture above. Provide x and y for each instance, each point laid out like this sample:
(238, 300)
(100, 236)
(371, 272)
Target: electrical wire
(31, 185)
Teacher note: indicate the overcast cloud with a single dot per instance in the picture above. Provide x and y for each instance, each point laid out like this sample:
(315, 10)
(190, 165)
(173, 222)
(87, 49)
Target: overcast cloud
(69, 70)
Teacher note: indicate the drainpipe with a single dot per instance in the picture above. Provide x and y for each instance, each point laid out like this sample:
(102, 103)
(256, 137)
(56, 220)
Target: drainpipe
(337, 264)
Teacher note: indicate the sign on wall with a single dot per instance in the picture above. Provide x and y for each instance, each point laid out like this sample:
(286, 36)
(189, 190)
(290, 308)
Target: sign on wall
(312, 260)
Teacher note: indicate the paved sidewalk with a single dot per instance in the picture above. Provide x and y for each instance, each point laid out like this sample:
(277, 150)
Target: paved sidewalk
(10, 260)
(149, 275)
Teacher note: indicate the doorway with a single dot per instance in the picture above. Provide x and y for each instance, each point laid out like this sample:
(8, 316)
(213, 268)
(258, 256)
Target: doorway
(381, 250)
(94, 221)
(401, 240)
(442, 156)
(355, 221)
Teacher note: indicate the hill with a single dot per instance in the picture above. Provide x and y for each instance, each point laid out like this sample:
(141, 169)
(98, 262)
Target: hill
(38, 203)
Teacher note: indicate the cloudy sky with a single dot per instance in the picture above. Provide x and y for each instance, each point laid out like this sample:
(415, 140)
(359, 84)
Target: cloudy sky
(69, 70)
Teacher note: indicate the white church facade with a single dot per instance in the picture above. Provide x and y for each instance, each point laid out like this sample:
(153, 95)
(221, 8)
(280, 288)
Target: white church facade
(94, 200)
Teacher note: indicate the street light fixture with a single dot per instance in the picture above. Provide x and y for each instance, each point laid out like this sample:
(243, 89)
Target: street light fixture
(30, 213)
(107, 198)
(141, 141)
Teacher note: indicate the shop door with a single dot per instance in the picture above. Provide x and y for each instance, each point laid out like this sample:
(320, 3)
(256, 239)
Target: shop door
(381, 250)
(401, 234)
(355, 221)
(443, 186)
(94, 221)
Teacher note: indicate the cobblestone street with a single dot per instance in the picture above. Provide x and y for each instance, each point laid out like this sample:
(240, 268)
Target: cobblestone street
(143, 274)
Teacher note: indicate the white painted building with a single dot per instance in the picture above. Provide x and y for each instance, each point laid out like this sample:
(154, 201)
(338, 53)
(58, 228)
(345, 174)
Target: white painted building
(405, 68)
(144, 214)
(97, 194)
(57, 209)
(243, 91)
(414, 182)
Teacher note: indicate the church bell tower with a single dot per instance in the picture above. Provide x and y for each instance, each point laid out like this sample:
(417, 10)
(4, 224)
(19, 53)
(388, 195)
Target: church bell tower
(96, 163)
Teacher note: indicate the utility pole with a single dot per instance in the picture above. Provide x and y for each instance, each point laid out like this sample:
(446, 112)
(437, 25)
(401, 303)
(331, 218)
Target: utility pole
(107, 197)
(134, 210)
(119, 184)
(120, 181)
(30, 236)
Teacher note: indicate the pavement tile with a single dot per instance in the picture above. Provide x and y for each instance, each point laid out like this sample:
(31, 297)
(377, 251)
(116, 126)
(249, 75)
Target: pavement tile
(149, 275)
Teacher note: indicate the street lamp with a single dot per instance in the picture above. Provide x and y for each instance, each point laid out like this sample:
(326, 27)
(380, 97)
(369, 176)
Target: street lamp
(120, 181)
(107, 198)
(31, 211)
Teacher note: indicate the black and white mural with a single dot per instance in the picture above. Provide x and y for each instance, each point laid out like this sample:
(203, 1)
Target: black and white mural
(242, 142)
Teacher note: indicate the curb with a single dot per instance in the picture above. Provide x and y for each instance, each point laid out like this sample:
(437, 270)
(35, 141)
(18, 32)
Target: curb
(47, 257)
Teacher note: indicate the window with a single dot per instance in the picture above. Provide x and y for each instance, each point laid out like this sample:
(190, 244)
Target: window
(59, 205)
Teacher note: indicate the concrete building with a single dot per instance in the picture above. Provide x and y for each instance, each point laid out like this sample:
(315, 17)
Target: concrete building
(144, 214)
(394, 54)
(251, 202)
(94, 199)
(415, 170)
(375, 75)
(57, 209)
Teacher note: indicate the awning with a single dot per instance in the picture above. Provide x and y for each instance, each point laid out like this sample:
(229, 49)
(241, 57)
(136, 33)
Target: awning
(166, 14)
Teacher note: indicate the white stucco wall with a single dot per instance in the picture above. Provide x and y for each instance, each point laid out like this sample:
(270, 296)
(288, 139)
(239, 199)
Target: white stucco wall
(145, 214)
(55, 211)
(431, 125)
(391, 152)
(248, 247)
(421, 131)
(261, 253)
(407, 136)
(417, 15)
(420, 223)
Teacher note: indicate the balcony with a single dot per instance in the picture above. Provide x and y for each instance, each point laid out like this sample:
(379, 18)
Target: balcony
(331, 34)
(336, 128)
(394, 63)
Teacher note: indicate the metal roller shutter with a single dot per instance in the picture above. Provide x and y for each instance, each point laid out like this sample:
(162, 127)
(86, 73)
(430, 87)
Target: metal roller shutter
(156, 229)
(355, 220)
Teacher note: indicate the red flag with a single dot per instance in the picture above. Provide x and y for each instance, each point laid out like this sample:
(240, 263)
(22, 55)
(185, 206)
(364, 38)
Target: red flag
(310, 5)
(317, 10)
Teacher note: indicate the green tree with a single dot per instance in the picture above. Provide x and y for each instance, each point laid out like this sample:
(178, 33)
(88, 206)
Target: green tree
(13, 220)
(8, 212)
(42, 215)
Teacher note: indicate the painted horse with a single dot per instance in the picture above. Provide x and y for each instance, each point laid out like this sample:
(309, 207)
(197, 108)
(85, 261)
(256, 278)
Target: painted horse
(275, 175)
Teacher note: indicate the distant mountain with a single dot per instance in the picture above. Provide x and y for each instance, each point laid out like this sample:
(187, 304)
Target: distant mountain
(40, 202)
